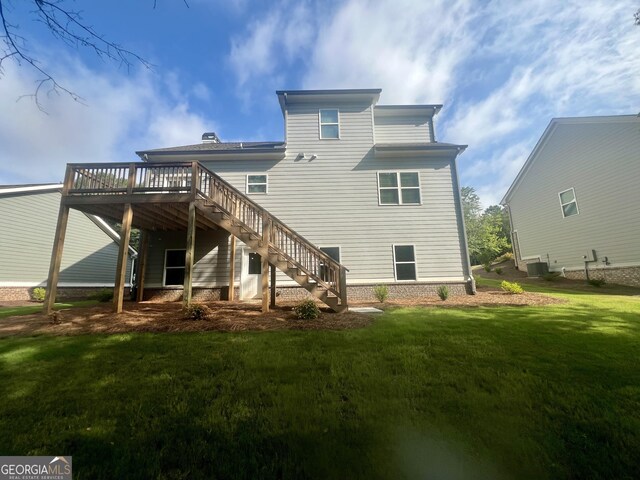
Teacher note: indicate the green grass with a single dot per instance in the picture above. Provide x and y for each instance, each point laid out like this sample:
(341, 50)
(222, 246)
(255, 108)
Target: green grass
(37, 308)
(501, 392)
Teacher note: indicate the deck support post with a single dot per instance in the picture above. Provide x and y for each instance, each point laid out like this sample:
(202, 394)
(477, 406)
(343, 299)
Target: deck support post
(123, 251)
(273, 286)
(343, 286)
(232, 268)
(142, 265)
(56, 257)
(266, 238)
(188, 264)
(58, 244)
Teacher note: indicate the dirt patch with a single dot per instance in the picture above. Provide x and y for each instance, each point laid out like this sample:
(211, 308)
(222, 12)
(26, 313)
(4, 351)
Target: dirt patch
(485, 297)
(233, 317)
(167, 317)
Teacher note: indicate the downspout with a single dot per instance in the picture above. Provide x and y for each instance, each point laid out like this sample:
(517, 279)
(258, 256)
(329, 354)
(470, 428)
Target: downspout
(587, 262)
(471, 280)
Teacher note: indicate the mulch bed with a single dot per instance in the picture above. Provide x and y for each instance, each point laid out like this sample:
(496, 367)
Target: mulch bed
(234, 317)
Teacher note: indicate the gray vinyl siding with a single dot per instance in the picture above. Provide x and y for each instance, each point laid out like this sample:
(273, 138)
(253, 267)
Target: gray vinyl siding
(27, 225)
(332, 200)
(211, 260)
(402, 129)
(601, 161)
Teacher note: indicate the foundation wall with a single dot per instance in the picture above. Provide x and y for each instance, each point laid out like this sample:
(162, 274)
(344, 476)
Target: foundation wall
(618, 275)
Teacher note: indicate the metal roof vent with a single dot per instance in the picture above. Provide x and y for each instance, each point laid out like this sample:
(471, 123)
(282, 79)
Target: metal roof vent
(210, 137)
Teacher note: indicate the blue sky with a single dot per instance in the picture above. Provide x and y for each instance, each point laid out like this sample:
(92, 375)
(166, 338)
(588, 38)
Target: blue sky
(502, 69)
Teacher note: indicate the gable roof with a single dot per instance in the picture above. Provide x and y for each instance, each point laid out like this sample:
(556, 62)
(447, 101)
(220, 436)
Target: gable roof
(546, 135)
(212, 148)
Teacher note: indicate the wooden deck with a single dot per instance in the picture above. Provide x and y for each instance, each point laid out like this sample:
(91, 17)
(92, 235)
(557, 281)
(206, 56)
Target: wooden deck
(189, 197)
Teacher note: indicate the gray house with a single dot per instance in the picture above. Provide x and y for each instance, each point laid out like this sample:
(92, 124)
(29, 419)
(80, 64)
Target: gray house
(574, 204)
(28, 221)
(357, 194)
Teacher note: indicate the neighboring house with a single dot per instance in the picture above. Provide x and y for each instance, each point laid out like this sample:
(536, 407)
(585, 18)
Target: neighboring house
(575, 203)
(368, 184)
(28, 215)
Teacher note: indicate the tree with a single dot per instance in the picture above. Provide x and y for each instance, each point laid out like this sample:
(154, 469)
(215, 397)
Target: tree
(636, 17)
(488, 231)
(67, 26)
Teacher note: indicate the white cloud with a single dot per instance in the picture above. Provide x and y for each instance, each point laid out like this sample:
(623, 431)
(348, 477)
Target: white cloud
(123, 114)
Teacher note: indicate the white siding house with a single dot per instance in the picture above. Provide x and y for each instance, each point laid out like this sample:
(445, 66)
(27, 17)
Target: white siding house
(575, 202)
(368, 184)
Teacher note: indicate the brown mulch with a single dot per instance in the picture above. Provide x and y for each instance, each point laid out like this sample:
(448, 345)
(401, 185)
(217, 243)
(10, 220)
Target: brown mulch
(485, 297)
(232, 317)
(167, 317)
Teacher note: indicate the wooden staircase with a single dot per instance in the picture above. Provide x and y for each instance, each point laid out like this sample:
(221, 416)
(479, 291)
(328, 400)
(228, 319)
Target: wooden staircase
(288, 251)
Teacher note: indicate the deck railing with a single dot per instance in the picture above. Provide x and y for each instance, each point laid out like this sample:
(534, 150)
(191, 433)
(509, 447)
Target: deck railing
(198, 181)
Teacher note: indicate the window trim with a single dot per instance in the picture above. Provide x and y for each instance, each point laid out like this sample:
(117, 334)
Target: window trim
(266, 184)
(399, 188)
(164, 267)
(415, 261)
(320, 124)
(575, 200)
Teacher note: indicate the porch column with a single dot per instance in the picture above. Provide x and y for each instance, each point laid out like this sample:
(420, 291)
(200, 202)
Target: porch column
(273, 286)
(232, 268)
(142, 264)
(56, 257)
(265, 284)
(123, 251)
(188, 264)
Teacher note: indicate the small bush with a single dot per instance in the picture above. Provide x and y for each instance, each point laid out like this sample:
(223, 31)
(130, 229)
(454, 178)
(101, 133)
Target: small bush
(504, 257)
(381, 292)
(103, 295)
(596, 282)
(498, 270)
(551, 276)
(443, 292)
(38, 294)
(195, 311)
(511, 287)
(487, 267)
(307, 310)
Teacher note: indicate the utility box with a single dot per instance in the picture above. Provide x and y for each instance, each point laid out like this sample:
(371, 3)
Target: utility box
(537, 269)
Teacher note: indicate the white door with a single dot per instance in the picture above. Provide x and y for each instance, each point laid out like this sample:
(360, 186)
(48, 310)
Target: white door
(251, 277)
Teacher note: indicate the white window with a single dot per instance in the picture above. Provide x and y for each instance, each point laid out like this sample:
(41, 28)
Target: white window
(404, 262)
(257, 183)
(174, 262)
(399, 188)
(568, 203)
(329, 124)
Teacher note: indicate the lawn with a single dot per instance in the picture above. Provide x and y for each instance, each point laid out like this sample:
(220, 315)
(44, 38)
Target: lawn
(37, 307)
(492, 392)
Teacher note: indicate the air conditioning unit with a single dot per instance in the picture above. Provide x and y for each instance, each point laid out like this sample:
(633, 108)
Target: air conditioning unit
(537, 269)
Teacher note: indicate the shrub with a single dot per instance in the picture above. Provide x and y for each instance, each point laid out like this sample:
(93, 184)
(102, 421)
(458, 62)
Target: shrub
(596, 282)
(307, 310)
(196, 311)
(443, 292)
(381, 292)
(487, 267)
(103, 295)
(551, 276)
(511, 287)
(498, 270)
(38, 294)
(504, 257)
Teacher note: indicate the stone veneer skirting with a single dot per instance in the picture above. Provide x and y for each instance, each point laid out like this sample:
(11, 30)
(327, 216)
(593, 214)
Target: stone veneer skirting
(294, 293)
(618, 275)
(24, 293)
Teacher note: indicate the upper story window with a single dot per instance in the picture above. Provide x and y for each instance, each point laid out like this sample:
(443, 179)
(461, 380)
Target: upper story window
(257, 183)
(568, 202)
(399, 188)
(329, 123)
